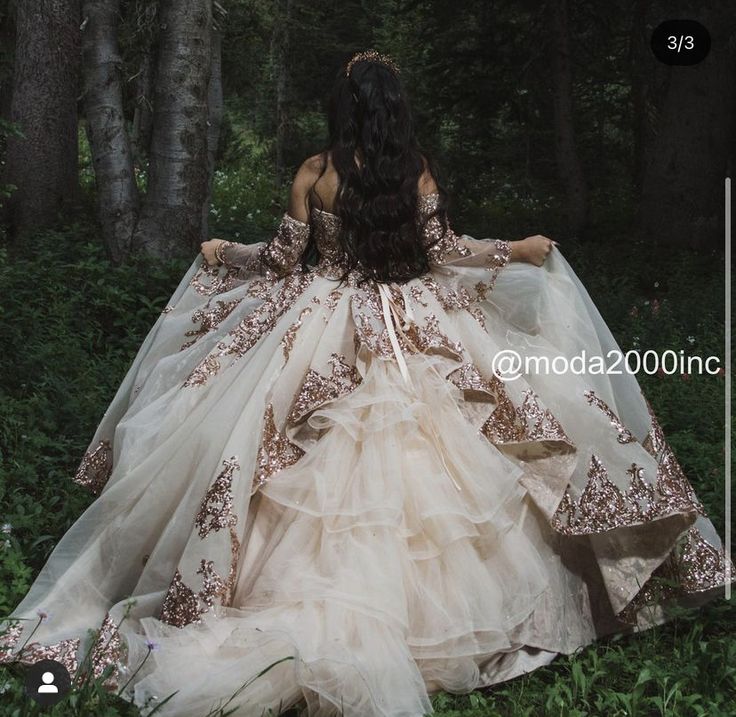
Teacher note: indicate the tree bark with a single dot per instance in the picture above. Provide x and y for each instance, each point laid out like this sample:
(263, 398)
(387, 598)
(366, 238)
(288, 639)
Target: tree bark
(43, 164)
(170, 223)
(638, 64)
(117, 193)
(282, 37)
(569, 165)
(215, 104)
(142, 129)
(7, 44)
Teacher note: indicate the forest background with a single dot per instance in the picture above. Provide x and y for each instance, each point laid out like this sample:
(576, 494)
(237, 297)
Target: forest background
(131, 130)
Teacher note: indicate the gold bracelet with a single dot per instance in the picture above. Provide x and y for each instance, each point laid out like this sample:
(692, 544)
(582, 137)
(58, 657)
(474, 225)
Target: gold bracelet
(218, 251)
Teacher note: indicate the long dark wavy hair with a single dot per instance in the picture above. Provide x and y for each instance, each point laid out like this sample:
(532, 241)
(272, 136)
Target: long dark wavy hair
(369, 113)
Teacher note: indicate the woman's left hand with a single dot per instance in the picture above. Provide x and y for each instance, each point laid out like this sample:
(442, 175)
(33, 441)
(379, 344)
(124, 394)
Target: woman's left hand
(208, 250)
(537, 248)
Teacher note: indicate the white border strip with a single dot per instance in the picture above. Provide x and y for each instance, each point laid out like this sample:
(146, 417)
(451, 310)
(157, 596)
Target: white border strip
(728, 389)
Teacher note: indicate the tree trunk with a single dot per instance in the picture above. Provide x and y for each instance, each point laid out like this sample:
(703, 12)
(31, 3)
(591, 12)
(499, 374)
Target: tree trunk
(282, 37)
(117, 194)
(568, 161)
(140, 138)
(7, 43)
(691, 151)
(43, 163)
(171, 217)
(142, 130)
(638, 64)
(215, 105)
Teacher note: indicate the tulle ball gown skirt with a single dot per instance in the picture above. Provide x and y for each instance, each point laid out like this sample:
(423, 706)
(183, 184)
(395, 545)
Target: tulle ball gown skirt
(331, 482)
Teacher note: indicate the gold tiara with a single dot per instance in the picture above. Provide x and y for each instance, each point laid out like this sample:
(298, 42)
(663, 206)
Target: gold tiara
(372, 56)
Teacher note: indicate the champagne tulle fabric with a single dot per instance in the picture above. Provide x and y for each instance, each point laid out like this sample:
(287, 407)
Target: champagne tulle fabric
(383, 541)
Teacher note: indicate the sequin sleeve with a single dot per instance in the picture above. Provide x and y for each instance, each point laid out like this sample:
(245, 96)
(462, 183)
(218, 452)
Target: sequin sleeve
(274, 258)
(446, 248)
(239, 256)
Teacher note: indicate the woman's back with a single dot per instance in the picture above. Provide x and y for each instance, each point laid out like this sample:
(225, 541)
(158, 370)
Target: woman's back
(327, 181)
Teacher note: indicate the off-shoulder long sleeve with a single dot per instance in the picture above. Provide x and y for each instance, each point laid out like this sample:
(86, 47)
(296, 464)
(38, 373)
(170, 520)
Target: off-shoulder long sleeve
(446, 248)
(273, 259)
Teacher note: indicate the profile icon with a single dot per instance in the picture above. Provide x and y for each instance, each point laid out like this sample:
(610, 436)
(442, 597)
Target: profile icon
(48, 686)
(47, 681)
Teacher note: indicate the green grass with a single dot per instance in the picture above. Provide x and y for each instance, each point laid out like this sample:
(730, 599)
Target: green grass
(72, 323)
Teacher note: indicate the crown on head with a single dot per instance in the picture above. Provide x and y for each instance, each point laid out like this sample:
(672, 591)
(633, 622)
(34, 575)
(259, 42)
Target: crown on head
(372, 56)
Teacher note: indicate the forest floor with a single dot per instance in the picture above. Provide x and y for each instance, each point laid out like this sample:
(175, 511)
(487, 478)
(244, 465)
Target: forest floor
(72, 323)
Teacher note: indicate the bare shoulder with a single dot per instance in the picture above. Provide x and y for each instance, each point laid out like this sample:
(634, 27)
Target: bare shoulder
(324, 181)
(315, 163)
(304, 180)
(309, 170)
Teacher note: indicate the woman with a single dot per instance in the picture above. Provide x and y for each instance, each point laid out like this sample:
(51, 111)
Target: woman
(318, 466)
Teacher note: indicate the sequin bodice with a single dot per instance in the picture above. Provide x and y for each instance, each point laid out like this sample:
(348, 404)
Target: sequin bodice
(326, 227)
(278, 257)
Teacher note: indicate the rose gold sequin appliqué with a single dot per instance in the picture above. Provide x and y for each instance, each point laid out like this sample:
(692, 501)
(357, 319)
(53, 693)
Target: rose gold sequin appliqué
(181, 604)
(275, 451)
(95, 468)
(250, 329)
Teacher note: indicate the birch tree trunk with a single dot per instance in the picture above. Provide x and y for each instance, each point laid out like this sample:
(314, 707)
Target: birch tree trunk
(568, 160)
(117, 193)
(43, 164)
(170, 221)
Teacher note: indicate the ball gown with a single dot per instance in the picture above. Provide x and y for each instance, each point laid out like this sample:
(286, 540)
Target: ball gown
(321, 494)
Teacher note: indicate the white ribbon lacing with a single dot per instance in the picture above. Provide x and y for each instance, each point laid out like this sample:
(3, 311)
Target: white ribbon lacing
(404, 317)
